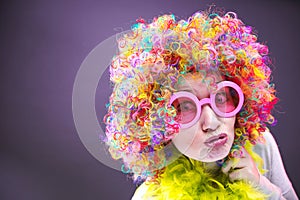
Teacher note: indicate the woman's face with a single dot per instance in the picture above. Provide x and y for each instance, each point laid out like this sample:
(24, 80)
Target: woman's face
(211, 137)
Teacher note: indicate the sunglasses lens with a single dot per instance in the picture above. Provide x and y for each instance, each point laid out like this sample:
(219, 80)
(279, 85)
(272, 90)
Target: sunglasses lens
(186, 109)
(226, 99)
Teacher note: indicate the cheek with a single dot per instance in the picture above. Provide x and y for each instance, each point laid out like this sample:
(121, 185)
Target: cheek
(229, 126)
(185, 138)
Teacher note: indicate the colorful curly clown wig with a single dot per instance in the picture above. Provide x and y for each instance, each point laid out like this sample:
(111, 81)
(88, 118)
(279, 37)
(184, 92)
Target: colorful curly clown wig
(153, 56)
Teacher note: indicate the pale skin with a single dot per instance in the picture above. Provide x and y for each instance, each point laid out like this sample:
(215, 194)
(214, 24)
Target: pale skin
(244, 169)
(192, 141)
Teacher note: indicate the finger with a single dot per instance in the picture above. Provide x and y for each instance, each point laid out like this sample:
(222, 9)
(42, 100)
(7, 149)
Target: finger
(227, 166)
(231, 164)
(244, 175)
(239, 174)
(240, 163)
(235, 175)
(244, 161)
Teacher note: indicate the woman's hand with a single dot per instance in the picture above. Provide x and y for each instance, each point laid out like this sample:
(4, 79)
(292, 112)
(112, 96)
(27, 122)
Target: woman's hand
(242, 169)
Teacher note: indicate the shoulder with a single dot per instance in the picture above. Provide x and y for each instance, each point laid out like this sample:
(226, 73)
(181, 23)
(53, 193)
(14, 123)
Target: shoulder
(269, 153)
(269, 139)
(273, 163)
(140, 192)
(268, 146)
(148, 190)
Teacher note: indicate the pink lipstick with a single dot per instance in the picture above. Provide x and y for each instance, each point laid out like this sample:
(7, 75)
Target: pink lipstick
(217, 140)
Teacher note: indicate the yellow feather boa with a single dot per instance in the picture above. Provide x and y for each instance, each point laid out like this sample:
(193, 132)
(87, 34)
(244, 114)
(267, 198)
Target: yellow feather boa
(186, 179)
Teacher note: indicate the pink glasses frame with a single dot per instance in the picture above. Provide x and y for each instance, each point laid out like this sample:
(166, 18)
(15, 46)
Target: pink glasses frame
(211, 101)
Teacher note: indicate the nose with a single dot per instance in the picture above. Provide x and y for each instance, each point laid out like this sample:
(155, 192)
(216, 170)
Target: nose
(209, 121)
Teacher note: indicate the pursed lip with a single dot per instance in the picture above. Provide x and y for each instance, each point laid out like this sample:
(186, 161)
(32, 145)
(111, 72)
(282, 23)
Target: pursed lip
(217, 140)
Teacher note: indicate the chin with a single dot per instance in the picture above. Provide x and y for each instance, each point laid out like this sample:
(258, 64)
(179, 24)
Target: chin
(214, 155)
(214, 158)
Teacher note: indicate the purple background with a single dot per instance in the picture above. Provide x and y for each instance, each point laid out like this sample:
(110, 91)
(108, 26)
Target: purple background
(43, 44)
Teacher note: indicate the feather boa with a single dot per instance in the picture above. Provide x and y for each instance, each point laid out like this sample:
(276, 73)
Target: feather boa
(187, 179)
